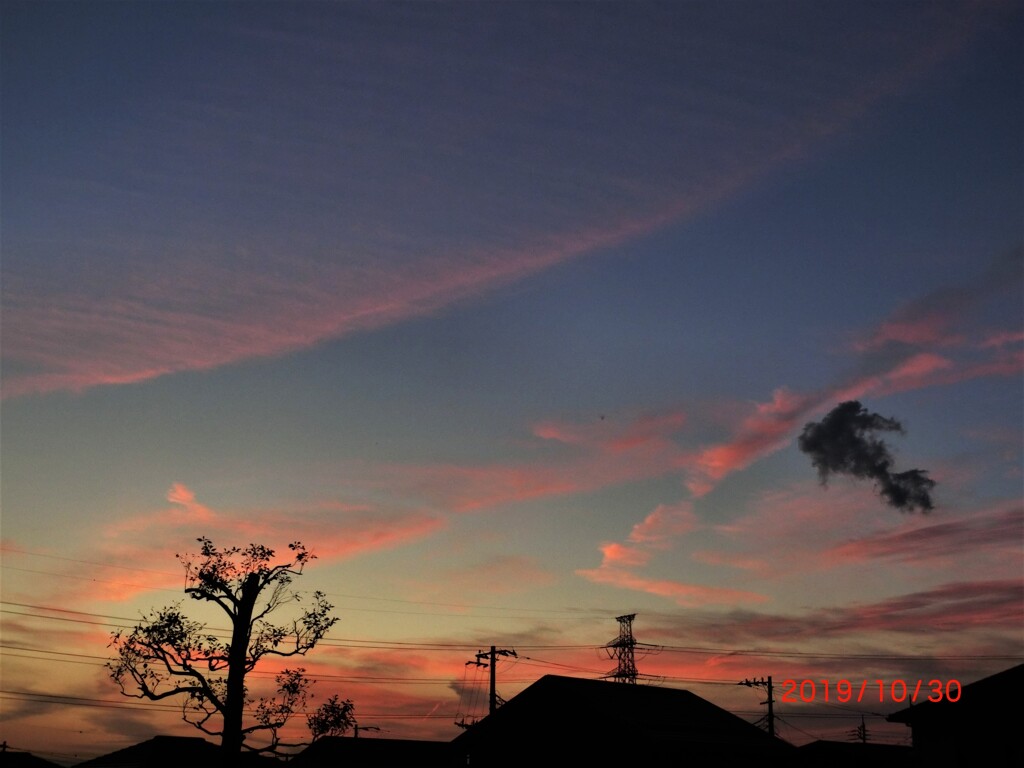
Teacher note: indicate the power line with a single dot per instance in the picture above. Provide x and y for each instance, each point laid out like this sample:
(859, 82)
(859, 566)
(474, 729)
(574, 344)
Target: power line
(810, 715)
(542, 663)
(100, 661)
(337, 642)
(355, 679)
(356, 643)
(41, 650)
(795, 728)
(14, 551)
(85, 701)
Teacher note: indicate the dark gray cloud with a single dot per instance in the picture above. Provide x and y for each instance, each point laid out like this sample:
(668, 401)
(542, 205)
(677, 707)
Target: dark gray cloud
(845, 442)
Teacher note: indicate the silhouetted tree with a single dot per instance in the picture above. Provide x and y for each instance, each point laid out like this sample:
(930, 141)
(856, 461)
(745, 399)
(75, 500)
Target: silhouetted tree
(168, 654)
(332, 718)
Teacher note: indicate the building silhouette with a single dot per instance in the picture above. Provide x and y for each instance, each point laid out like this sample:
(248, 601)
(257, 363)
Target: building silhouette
(566, 721)
(982, 727)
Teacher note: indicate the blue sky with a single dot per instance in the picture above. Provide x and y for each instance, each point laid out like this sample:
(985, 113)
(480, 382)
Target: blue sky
(513, 312)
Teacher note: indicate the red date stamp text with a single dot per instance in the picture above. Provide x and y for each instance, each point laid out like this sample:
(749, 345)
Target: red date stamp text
(844, 691)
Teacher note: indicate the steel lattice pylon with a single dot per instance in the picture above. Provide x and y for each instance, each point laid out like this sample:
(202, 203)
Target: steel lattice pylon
(621, 649)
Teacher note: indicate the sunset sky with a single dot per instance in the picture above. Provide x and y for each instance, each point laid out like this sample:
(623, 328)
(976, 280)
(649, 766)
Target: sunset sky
(513, 313)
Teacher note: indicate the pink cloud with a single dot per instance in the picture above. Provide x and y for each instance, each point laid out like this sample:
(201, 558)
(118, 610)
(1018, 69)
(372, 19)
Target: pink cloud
(805, 530)
(664, 523)
(652, 427)
(918, 368)
(944, 317)
(730, 559)
(766, 430)
(185, 512)
(501, 574)
(615, 554)
(657, 531)
(610, 435)
(773, 424)
(682, 593)
(926, 370)
(463, 488)
(1003, 339)
(794, 529)
(1005, 364)
(220, 314)
(927, 328)
(605, 453)
(210, 307)
(915, 542)
(949, 606)
(79, 341)
(955, 608)
(804, 510)
(183, 495)
(466, 489)
(333, 531)
(654, 532)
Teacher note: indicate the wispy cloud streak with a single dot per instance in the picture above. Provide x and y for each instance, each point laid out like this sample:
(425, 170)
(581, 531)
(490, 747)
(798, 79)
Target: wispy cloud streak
(139, 304)
(333, 531)
(949, 607)
(942, 541)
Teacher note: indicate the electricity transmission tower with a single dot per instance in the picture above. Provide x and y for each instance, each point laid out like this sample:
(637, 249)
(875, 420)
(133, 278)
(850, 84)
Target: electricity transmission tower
(622, 650)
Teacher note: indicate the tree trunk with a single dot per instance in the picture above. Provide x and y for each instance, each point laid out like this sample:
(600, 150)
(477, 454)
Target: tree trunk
(234, 699)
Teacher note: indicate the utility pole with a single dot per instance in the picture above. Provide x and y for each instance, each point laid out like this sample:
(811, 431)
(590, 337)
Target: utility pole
(621, 649)
(492, 655)
(767, 685)
(860, 733)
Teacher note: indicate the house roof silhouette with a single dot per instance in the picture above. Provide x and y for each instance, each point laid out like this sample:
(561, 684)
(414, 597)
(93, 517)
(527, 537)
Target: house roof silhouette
(170, 750)
(562, 719)
(986, 716)
(985, 698)
(845, 754)
(14, 759)
(160, 749)
(374, 753)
